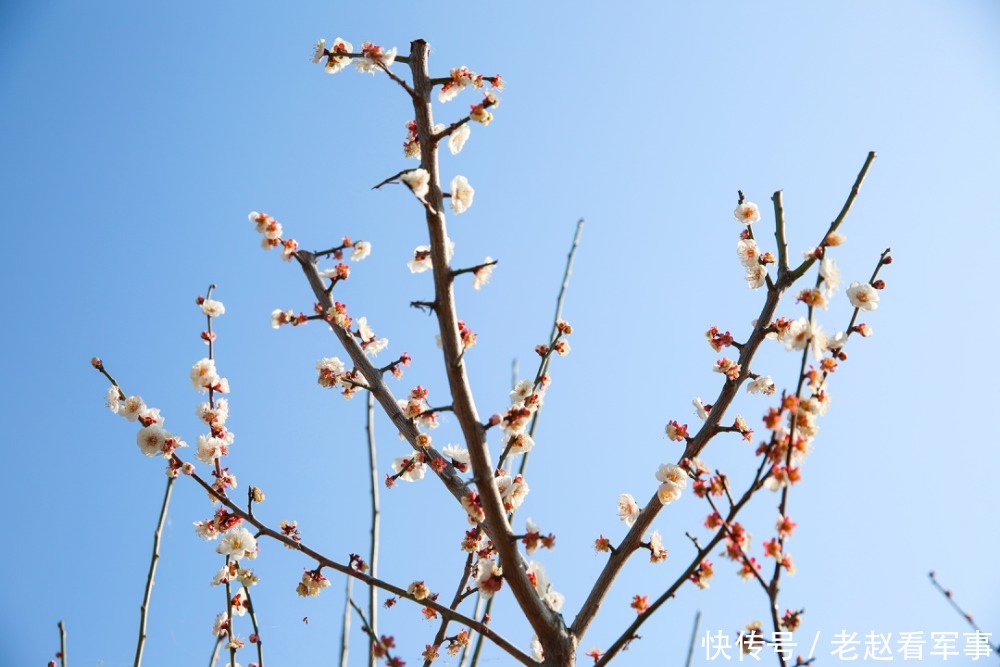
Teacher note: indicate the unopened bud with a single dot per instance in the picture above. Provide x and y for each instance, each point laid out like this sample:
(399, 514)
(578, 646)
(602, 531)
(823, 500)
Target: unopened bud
(97, 363)
(879, 284)
(256, 494)
(887, 260)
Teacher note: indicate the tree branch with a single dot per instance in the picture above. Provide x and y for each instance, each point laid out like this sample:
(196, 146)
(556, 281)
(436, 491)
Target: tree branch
(144, 609)
(547, 625)
(323, 561)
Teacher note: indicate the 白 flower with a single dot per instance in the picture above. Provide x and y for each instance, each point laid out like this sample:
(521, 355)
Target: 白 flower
(863, 296)
(461, 194)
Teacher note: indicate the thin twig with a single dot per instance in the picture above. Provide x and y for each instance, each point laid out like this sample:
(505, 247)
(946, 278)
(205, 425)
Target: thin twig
(215, 652)
(62, 644)
(153, 561)
(694, 636)
(324, 561)
(455, 601)
(802, 268)
(966, 615)
(229, 616)
(256, 629)
(345, 630)
(630, 632)
(542, 368)
(376, 518)
(779, 232)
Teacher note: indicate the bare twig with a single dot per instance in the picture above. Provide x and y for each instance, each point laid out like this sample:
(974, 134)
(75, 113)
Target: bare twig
(835, 225)
(995, 649)
(144, 609)
(324, 561)
(345, 630)
(215, 652)
(779, 233)
(62, 644)
(376, 518)
(694, 636)
(258, 642)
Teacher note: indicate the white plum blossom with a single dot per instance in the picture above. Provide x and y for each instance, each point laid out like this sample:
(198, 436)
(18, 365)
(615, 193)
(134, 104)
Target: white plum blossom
(762, 385)
(674, 480)
(628, 509)
(214, 416)
(113, 399)
(418, 180)
(414, 472)
(279, 317)
(238, 543)
(458, 455)
(831, 275)
(801, 333)
(481, 276)
(540, 580)
(210, 448)
(863, 296)
(361, 250)
(131, 407)
(756, 276)
(748, 252)
(334, 62)
(747, 213)
(375, 57)
(699, 408)
(836, 341)
(520, 443)
(212, 308)
(512, 491)
(461, 194)
(151, 440)
(204, 375)
(421, 259)
(657, 552)
(488, 577)
(458, 138)
(536, 649)
(319, 51)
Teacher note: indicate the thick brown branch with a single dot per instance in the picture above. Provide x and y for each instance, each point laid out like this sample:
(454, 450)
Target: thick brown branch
(376, 384)
(546, 624)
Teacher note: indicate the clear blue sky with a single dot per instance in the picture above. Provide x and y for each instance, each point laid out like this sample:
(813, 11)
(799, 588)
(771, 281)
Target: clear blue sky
(135, 137)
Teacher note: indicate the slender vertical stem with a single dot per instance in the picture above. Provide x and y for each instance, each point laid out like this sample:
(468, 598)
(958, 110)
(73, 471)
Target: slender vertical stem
(345, 631)
(542, 370)
(215, 651)
(779, 233)
(966, 615)
(694, 636)
(256, 630)
(150, 577)
(555, 322)
(229, 618)
(376, 518)
(62, 644)
(465, 651)
(548, 626)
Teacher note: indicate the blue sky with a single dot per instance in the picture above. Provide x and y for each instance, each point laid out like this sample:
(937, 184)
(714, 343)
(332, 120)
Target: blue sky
(135, 138)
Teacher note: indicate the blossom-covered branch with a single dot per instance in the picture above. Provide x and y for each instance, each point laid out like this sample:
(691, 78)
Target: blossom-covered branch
(708, 430)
